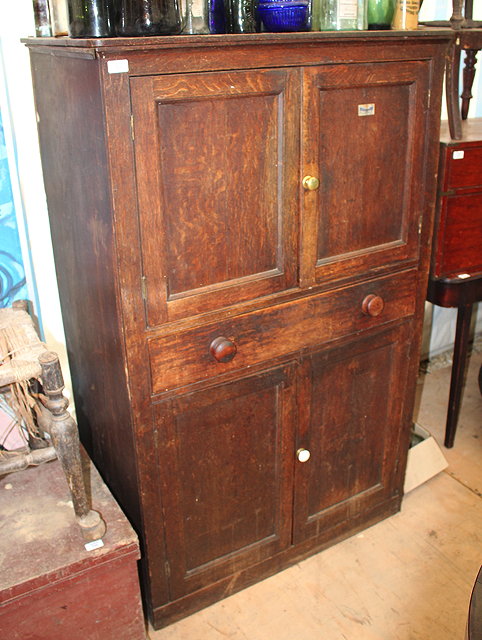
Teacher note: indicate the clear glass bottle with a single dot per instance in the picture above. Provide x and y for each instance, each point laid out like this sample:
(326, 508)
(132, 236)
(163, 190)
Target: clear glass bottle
(148, 17)
(41, 12)
(90, 18)
(196, 17)
(339, 15)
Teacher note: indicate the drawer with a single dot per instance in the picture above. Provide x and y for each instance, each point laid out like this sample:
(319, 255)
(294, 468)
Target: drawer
(458, 244)
(207, 352)
(464, 167)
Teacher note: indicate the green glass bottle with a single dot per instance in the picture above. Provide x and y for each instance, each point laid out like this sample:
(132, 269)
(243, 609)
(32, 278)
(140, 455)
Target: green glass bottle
(380, 14)
(148, 17)
(90, 18)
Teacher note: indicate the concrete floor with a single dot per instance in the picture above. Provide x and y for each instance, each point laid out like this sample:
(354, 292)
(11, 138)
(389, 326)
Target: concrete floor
(409, 577)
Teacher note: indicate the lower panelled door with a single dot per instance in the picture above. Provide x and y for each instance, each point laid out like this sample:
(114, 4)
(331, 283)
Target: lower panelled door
(226, 471)
(352, 423)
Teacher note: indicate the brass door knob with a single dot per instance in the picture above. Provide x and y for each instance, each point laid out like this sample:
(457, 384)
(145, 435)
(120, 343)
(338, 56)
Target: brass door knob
(303, 455)
(310, 183)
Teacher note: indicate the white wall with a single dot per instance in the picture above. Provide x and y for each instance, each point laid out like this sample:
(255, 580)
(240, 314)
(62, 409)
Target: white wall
(17, 22)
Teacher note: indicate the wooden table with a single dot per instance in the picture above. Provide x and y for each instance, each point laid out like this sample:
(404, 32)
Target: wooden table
(456, 267)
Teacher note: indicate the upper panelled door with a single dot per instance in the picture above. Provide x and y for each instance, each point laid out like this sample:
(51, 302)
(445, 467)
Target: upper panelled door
(217, 187)
(363, 139)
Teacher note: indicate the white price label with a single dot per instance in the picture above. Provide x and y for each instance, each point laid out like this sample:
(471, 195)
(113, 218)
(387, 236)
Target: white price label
(95, 544)
(117, 66)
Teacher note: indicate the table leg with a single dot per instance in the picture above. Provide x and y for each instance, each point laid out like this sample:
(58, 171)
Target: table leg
(464, 315)
(468, 78)
(452, 65)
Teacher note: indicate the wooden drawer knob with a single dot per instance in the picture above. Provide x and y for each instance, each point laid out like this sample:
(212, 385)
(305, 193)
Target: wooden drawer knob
(372, 305)
(222, 349)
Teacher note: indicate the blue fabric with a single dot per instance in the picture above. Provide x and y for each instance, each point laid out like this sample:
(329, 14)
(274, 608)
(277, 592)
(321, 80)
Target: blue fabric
(12, 274)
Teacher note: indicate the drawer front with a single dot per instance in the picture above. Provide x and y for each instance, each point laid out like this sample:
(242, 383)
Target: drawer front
(458, 244)
(465, 167)
(218, 349)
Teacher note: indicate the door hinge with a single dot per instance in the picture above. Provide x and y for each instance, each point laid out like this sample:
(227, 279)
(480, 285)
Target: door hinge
(144, 287)
(132, 127)
(167, 569)
(429, 96)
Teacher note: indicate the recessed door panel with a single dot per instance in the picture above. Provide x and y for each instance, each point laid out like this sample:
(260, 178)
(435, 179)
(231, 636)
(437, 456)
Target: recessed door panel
(216, 188)
(363, 138)
(351, 426)
(226, 472)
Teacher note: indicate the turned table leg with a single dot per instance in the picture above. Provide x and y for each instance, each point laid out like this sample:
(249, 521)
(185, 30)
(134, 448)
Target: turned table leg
(464, 315)
(468, 78)
(65, 438)
(452, 90)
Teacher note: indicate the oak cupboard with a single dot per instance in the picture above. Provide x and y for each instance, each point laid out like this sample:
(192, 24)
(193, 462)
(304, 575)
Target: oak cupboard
(241, 228)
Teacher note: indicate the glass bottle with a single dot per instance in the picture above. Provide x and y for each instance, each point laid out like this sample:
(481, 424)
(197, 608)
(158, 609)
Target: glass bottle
(196, 17)
(217, 16)
(148, 17)
(339, 15)
(90, 18)
(380, 13)
(41, 14)
(240, 16)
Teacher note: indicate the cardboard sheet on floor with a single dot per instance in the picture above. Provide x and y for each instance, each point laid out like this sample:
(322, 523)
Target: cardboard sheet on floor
(425, 460)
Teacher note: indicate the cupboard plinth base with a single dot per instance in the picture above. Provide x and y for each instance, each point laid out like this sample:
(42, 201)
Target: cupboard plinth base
(172, 612)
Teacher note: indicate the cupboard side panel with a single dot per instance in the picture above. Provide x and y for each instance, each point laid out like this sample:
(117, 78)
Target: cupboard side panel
(72, 142)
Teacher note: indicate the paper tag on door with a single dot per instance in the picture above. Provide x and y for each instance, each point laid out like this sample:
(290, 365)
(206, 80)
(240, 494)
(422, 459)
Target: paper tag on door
(366, 109)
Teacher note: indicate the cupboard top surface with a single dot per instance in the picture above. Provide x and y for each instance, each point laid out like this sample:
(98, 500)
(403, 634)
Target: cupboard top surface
(111, 45)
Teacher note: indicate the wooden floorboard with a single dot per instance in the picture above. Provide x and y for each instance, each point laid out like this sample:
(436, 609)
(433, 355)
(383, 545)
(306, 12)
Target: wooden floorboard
(407, 578)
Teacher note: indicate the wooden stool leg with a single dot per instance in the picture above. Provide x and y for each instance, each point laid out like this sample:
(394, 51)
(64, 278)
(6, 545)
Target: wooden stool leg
(65, 438)
(464, 316)
(468, 78)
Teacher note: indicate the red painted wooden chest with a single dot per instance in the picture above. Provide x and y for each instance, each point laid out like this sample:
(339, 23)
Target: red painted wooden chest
(51, 587)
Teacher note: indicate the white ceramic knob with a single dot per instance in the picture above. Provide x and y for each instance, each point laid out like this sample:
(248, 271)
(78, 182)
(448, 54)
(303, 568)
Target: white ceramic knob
(303, 455)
